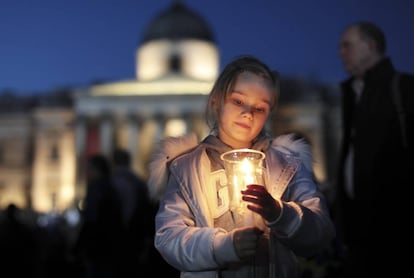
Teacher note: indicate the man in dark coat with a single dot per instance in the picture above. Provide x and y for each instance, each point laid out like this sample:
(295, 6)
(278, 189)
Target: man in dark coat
(375, 166)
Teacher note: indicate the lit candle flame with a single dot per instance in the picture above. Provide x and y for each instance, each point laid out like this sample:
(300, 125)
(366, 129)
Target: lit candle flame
(247, 167)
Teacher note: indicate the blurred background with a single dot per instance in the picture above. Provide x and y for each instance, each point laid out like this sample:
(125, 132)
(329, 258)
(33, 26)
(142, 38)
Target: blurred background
(84, 77)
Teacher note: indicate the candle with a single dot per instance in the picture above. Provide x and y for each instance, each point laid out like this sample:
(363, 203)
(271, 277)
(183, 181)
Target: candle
(243, 167)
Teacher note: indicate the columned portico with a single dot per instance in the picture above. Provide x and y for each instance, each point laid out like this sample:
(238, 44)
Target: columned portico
(134, 122)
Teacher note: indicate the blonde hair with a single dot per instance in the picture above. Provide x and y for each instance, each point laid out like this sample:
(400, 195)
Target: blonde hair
(226, 81)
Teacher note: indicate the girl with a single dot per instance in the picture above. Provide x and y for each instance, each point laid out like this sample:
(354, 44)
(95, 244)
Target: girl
(195, 228)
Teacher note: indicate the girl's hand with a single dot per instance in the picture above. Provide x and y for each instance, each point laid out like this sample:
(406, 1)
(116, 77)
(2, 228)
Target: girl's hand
(261, 202)
(245, 241)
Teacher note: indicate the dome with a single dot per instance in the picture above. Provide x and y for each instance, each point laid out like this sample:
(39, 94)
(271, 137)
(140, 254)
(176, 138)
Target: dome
(178, 22)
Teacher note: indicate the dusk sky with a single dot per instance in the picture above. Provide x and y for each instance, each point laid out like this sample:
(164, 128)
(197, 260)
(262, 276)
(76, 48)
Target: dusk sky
(48, 44)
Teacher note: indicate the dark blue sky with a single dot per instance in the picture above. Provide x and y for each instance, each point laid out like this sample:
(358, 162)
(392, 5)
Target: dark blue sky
(47, 44)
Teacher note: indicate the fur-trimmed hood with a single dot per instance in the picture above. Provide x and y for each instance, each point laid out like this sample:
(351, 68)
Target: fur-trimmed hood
(172, 147)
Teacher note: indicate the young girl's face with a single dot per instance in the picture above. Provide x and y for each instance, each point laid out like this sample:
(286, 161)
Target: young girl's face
(245, 111)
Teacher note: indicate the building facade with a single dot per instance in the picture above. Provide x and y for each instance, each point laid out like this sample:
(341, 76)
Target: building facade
(43, 150)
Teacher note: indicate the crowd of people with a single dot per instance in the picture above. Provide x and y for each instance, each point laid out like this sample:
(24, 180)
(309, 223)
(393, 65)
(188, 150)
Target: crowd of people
(34, 250)
(180, 221)
(116, 234)
(114, 237)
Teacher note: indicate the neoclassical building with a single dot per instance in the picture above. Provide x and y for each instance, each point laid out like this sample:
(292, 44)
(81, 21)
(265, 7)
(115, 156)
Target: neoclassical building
(43, 150)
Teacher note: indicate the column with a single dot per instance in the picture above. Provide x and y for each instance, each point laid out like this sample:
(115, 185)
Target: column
(80, 135)
(105, 133)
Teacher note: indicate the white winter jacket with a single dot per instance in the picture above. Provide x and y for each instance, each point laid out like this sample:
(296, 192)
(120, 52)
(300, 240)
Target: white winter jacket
(185, 234)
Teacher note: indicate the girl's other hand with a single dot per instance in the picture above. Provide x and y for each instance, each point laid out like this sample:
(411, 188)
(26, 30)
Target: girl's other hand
(245, 241)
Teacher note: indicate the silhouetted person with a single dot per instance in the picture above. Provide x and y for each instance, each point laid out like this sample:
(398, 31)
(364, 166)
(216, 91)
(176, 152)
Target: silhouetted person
(136, 214)
(376, 167)
(101, 231)
(18, 248)
(139, 254)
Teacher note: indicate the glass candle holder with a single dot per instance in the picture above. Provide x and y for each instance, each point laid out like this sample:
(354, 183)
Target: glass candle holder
(242, 167)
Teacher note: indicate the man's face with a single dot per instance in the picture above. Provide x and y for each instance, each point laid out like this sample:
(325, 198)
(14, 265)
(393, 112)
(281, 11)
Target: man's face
(355, 52)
